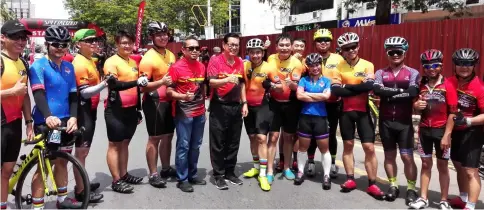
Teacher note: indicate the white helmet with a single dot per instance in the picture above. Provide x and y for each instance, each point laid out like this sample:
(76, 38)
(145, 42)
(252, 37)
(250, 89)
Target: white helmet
(348, 38)
(396, 42)
(254, 44)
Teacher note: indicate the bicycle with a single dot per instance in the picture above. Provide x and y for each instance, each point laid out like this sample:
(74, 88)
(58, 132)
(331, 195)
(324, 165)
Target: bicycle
(481, 164)
(375, 114)
(42, 155)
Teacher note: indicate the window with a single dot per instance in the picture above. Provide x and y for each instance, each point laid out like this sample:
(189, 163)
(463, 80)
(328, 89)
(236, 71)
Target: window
(305, 6)
(472, 1)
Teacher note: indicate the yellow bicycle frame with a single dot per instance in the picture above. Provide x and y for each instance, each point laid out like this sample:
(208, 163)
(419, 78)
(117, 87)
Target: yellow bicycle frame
(35, 153)
(373, 107)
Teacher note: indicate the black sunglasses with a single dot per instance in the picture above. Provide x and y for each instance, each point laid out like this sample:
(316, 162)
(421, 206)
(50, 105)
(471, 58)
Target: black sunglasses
(465, 63)
(90, 40)
(323, 40)
(18, 36)
(349, 48)
(432, 66)
(193, 48)
(395, 52)
(59, 45)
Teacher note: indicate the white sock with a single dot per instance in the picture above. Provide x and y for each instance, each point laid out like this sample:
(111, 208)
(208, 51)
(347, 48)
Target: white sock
(61, 198)
(326, 160)
(464, 196)
(302, 157)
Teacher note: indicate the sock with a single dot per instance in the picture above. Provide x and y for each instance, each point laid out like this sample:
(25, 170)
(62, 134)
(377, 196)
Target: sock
(371, 182)
(3, 205)
(61, 194)
(154, 174)
(464, 196)
(333, 159)
(411, 184)
(350, 176)
(393, 181)
(310, 157)
(38, 203)
(281, 157)
(255, 160)
(301, 161)
(470, 205)
(263, 167)
(294, 155)
(326, 160)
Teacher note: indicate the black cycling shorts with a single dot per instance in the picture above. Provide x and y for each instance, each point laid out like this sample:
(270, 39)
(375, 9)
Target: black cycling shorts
(361, 121)
(286, 115)
(466, 147)
(11, 140)
(158, 117)
(66, 144)
(121, 123)
(86, 118)
(393, 133)
(430, 138)
(258, 121)
(314, 127)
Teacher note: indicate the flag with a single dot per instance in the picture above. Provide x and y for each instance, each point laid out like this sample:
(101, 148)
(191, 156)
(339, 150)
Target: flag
(141, 11)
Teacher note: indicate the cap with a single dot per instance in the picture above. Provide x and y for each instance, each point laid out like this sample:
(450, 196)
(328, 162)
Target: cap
(217, 49)
(83, 34)
(14, 26)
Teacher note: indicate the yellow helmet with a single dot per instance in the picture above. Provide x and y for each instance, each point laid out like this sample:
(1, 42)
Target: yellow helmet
(323, 33)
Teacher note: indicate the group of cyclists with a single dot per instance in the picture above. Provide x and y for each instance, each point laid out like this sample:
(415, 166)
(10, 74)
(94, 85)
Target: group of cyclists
(293, 99)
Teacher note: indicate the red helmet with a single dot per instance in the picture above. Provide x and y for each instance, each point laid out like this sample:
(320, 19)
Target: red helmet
(431, 56)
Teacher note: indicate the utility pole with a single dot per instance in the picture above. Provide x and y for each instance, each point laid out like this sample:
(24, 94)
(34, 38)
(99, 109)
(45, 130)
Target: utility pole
(230, 16)
(209, 28)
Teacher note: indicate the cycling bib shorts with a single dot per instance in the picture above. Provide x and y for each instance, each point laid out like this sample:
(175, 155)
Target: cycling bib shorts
(121, 123)
(430, 138)
(286, 115)
(158, 117)
(312, 126)
(466, 147)
(11, 140)
(258, 121)
(86, 117)
(359, 120)
(395, 132)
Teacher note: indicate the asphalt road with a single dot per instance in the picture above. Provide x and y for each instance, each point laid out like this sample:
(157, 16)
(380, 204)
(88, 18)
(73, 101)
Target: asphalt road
(283, 194)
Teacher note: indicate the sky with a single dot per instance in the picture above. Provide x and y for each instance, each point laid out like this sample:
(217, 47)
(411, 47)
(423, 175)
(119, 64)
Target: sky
(50, 9)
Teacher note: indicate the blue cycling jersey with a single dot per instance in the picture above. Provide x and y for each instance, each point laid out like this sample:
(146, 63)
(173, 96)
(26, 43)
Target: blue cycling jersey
(57, 81)
(314, 108)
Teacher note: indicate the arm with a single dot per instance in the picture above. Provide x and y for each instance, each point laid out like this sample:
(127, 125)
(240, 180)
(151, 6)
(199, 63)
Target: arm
(212, 75)
(302, 95)
(243, 96)
(413, 89)
(170, 92)
(366, 86)
(146, 68)
(340, 91)
(41, 102)
(73, 104)
(380, 90)
(119, 86)
(36, 78)
(88, 92)
(320, 96)
(26, 108)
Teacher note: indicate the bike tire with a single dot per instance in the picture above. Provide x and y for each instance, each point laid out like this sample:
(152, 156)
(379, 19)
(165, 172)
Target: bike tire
(52, 156)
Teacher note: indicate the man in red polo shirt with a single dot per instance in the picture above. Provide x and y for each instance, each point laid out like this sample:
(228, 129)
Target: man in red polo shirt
(188, 95)
(227, 107)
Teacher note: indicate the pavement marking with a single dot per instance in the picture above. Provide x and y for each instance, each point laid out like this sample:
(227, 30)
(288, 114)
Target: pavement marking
(360, 172)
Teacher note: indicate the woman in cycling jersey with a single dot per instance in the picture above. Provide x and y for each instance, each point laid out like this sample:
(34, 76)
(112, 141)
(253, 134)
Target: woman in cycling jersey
(313, 90)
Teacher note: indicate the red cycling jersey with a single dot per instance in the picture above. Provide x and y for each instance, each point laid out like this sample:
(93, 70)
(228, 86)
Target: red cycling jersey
(441, 101)
(470, 98)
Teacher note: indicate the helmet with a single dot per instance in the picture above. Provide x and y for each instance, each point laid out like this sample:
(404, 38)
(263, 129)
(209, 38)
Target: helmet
(156, 26)
(430, 56)
(396, 42)
(57, 34)
(465, 54)
(348, 38)
(255, 44)
(314, 58)
(322, 33)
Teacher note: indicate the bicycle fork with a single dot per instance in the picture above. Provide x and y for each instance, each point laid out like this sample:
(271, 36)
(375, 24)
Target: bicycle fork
(44, 163)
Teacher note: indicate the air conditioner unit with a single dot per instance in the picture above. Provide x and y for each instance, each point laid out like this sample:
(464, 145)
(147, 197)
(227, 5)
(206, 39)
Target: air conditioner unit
(292, 18)
(370, 5)
(316, 15)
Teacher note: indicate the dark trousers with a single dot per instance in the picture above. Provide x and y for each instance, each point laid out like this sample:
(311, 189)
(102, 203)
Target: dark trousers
(225, 127)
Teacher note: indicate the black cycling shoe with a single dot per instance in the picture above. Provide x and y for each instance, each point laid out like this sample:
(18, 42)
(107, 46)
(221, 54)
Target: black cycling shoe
(157, 181)
(130, 179)
(299, 179)
(94, 186)
(411, 197)
(167, 173)
(185, 186)
(197, 181)
(121, 186)
(392, 193)
(94, 197)
(326, 183)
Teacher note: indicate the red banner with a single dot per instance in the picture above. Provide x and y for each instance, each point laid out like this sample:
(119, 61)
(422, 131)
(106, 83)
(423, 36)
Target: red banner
(32, 51)
(141, 11)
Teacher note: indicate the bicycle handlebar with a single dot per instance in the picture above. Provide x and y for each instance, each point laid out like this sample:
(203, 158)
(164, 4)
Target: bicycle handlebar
(44, 130)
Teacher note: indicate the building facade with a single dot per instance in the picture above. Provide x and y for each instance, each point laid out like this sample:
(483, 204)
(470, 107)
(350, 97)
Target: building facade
(20, 8)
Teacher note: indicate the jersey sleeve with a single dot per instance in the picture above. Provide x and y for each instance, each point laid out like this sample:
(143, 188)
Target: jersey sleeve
(370, 71)
(212, 69)
(379, 77)
(72, 82)
(336, 77)
(146, 68)
(480, 98)
(173, 74)
(82, 76)
(298, 70)
(110, 68)
(302, 84)
(36, 75)
(327, 84)
(451, 96)
(272, 74)
(414, 78)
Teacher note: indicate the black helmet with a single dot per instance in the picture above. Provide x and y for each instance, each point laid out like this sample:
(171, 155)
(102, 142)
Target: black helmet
(465, 54)
(57, 34)
(156, 26)
(314, 58)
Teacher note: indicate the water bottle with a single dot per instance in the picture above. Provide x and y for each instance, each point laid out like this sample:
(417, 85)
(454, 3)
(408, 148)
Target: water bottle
(18, 164)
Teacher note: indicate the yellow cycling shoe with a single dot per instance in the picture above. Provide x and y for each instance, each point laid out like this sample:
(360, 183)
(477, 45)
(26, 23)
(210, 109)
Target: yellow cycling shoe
(264, 184)
(251, 173)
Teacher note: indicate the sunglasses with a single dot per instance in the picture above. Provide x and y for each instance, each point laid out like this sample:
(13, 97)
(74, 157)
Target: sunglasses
(18, 36)
(395, 52)
(465, 63)
(90, 40)
(319, 40)
(432, 66)
(346, 49)
(193, 48)
(59, 45)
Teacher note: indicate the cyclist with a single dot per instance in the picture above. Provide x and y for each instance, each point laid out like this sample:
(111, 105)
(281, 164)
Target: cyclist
(437, 103)
(53, 83)
(260, 78)
(156, 106)
(228, 106)
(397, 85)
(352, 81)
(285, 105)
(122, 110)
(15, 99)
(467, 135)
(188, 94)
(313, 90)
(89, 87)
(298, 48)
(322, 40)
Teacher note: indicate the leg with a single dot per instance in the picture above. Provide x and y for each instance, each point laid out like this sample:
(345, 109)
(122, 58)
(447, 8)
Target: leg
(113, 159)
(11, 136)
(444, 178)
(7, 170)
(233, 142)
(195, 143)
(288, 148)
(183, 136)
(474, 185)
(123, 157)
(371, 163)
(333, 110)
(152, 153)
(271, 151)
(217, 131)
(425, 175)
(165, 150)
(167, 130)
(348, 157)
(301, 160)
(312, 149)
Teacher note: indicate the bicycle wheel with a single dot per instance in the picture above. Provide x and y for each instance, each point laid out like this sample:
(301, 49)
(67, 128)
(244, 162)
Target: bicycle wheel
(23, 200)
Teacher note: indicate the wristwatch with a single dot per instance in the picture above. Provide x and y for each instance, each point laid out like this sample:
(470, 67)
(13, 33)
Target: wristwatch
(244, 102)
(28, 121)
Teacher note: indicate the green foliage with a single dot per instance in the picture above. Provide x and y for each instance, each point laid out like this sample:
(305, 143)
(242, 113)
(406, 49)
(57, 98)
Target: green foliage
(5, 13)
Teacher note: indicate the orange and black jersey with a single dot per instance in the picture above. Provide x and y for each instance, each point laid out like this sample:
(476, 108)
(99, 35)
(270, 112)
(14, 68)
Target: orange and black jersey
(155, 66)
(290, 68)
(86, 76)
(255, 91)
(125, 71)
(12, 72)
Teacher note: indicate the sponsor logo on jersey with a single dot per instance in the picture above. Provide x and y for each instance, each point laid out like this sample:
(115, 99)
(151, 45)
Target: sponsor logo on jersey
(22, 72)
(360, 74)
(331, 66)
(68, 71)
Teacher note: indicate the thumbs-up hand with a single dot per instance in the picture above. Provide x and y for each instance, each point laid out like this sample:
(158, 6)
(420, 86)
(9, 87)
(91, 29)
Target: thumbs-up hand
(20, 88)
(421, 104)
(167, 80)
(267, 43)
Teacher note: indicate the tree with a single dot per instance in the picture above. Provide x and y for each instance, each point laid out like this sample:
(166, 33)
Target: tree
(5, 13)
(279, 4)
(384, 7)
